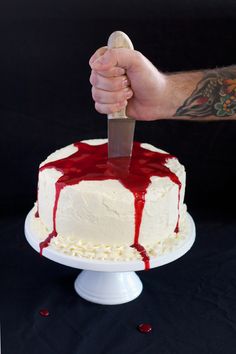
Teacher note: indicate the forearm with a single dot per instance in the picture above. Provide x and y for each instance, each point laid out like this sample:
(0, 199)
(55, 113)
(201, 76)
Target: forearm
(202, 95)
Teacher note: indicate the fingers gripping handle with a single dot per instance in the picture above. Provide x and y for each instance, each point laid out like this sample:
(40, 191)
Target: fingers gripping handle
(119, 39)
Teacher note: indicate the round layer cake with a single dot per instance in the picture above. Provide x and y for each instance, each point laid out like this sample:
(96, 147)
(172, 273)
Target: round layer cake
(117, 209)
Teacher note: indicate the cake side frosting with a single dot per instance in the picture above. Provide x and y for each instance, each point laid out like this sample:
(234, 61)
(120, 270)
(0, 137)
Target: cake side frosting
(73, 246)
(103, 212)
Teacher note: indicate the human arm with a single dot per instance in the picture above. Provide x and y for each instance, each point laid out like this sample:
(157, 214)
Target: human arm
(121, 76)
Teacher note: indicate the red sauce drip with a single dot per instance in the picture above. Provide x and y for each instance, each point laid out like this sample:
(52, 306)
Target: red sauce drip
(37, 204)
(145, 258)
(145, 328)
(91, 163)
(44, 312)
(177, 225)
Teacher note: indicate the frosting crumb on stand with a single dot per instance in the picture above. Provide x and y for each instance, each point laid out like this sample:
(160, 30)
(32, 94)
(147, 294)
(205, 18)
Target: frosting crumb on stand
(93, 207)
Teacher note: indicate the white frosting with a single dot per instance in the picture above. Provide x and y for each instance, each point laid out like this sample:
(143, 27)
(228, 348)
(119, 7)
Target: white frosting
(100, 214)
(73, 246)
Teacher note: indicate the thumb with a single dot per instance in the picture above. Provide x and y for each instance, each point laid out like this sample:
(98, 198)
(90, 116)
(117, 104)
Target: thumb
(121, 57)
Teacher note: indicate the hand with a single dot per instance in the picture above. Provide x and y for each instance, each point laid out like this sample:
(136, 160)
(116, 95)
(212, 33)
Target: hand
(123, 77)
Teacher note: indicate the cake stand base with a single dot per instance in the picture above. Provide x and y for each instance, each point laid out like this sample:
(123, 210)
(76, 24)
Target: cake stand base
(108, 282)
(108, 288)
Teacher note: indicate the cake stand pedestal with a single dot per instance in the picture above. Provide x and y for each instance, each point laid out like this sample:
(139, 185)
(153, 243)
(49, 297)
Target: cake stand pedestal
(108, 288)
(109, 282)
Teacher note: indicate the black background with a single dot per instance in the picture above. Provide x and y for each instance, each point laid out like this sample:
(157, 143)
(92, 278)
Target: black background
(45, 103)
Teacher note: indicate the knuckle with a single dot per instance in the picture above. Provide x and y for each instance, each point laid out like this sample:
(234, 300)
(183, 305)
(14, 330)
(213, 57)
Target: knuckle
(138, 54)
(95, 94)
(138, 57)
(93, 78)
(98, 107)
(92, 92)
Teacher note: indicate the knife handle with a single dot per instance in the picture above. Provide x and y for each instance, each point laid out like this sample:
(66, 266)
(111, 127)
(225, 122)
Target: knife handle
(119, 39)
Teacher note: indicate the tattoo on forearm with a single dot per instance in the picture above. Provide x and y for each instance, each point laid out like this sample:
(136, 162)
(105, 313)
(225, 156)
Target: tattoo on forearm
(214, 95)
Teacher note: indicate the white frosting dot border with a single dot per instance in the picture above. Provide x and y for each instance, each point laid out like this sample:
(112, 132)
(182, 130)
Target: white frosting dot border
(78, 248)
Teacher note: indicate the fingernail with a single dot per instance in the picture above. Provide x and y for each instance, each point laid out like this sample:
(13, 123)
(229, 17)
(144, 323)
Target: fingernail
(125, 82)
(128, 92)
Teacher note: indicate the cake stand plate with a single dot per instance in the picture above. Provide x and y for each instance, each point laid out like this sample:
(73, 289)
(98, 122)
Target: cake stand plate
(109, 282)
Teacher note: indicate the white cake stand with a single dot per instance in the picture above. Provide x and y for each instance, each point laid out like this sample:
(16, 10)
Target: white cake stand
(109, 282)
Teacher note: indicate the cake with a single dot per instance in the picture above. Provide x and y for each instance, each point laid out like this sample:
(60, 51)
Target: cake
(117, 209)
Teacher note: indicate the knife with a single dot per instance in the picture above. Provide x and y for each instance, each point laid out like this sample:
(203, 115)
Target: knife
(120, 127)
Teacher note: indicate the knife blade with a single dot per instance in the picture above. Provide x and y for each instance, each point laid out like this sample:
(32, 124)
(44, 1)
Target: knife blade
(120, 127)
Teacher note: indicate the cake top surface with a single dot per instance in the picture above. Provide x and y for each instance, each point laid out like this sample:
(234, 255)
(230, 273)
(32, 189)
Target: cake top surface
(88, 161)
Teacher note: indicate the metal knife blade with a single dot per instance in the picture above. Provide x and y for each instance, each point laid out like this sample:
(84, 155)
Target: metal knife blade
(120, 127)
(120, 137)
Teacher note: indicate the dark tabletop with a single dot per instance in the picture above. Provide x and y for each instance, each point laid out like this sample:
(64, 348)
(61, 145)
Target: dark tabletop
(190, 303)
